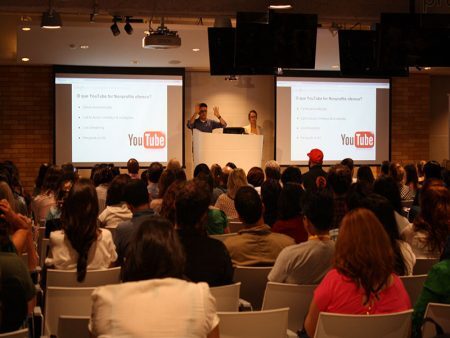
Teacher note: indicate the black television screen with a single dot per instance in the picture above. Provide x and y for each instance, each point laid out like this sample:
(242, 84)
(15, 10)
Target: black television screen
(221, 43)
(293, 39)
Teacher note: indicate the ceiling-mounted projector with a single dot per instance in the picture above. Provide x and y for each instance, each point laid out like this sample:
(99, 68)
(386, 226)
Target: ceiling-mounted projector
(161, 38)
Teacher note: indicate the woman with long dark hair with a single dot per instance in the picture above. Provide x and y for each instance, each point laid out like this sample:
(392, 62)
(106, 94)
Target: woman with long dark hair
(81, 244)
(363, 279)
(154, 301)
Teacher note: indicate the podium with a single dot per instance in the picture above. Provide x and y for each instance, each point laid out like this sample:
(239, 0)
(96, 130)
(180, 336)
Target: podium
(243, 150)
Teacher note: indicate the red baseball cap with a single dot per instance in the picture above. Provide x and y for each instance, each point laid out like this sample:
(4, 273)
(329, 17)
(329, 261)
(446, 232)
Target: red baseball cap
(316, 155)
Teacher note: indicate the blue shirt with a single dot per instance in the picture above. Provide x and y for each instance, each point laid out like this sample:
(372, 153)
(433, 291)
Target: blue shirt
(207, 126)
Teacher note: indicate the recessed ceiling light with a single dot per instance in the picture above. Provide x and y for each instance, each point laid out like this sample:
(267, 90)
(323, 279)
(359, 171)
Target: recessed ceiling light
(84, 46)
(335, 66)
(427, 68)
(26, 29)
(280, 6)
(196, 49)
(25, 59)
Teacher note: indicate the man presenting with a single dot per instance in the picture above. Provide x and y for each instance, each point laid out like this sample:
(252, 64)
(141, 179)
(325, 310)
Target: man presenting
(202, 123)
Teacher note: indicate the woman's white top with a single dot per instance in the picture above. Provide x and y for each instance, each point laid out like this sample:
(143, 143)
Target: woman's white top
(168, 307)
(101, 255)
(248, 130)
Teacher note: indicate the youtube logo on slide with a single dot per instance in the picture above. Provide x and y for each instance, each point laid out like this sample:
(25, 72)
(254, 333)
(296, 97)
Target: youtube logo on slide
(364, 139)
(154, 139)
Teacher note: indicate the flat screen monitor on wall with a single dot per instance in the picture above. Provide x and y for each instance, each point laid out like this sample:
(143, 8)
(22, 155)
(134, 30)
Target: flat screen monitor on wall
(342, 117)
(107, 115)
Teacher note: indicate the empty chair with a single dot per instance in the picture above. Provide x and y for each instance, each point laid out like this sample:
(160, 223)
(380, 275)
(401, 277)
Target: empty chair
(392, 325)
(423, 265)
(441, 314)
(73, 327)
(296, 297)
(254, 280)
(254, 324)
(223, 237)
(235, 226)
(413, 285)
(227, 297)
(61, 301)
(23, 333)
(68, 278)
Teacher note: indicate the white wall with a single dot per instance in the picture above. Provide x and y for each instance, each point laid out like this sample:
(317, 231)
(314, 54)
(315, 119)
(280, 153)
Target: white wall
(234, 99)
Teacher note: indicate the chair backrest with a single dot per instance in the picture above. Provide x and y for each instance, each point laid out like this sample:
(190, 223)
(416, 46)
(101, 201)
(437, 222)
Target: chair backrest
(65, 302)
(73, 327)
(223, 236)
(413, 285)
(441, 314)
(23, 333)
(43, 250)
(254, 280)
(68, 278)
(296, 297)
(392, 325)
(227, 297)
(235, 226)
(423, 265)
(254, 324)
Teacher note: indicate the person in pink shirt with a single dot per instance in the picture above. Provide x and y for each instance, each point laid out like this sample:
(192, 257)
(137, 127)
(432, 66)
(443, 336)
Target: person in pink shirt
(362, 280)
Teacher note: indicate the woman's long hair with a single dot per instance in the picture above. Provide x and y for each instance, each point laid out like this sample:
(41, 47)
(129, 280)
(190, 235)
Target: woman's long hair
(79, 219)
(154, 252)
(364, 253)
(434, 217)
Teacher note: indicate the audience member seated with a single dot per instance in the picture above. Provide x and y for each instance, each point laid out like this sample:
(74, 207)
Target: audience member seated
(39, 181)
(102, 177)
(272, 170)
(41, 204)
(436, 289)
(153, 174)
(256, 244)
(316, 176)
(207, 259)
(154, 301)
(411, 179)
(403, 254)
(339, 181)
(133, 168)
(173, 164)
(11, 170)
(81, 244)
(255, 177)
(116, 208)
(270, 193)
(168, 210)
(365, 174)
(363, 279)
(348, 162)
(167, 178)
(420, 171)
(397, 172)
(290, 220)
(384, 169)
(308, 262)
(136, 197)
(225, 202)
(220, 186)
(429, 232)
(386, 187)
(291, 174)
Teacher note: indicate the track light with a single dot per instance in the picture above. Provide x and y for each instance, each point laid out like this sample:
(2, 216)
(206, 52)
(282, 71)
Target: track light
(51, 19)
(114, 28)
(128, 27)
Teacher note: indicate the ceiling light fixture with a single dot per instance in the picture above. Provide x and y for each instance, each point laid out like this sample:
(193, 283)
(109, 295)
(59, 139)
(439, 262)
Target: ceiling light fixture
(196, 49)
(26, 29)
(114, 28)
(280, 4)
(51, 19)
(128, 27)
(25, 59)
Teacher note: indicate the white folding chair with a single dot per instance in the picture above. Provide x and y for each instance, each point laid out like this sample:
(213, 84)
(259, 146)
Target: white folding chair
(413, 285)
(23, 333)
(296, 297)
(73, 327)
(68, 278)
(423, 265)
(60, 301)
(254, 280)
(254, 324)
(392, 325)
(223, 237)
(441, 315)
(227, 297)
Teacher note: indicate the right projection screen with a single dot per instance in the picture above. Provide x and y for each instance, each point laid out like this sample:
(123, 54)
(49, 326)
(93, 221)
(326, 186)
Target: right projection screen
(342, 117)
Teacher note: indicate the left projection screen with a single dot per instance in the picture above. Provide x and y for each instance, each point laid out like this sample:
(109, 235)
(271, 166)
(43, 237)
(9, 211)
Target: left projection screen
(110, 118)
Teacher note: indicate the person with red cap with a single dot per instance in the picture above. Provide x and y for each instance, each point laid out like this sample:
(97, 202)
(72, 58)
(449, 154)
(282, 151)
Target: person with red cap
(316, 176)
